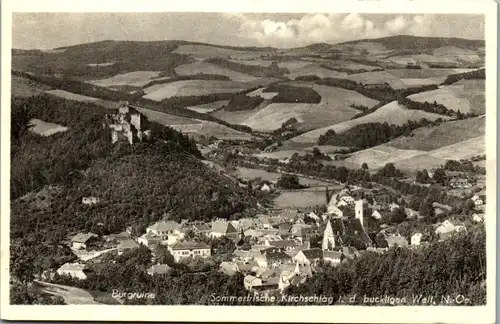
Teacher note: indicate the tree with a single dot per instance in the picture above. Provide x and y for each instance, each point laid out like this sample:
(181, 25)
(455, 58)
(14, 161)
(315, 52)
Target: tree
(440, 176)
(289, 181)
(422, 177)
(398, 215)
(426, 209)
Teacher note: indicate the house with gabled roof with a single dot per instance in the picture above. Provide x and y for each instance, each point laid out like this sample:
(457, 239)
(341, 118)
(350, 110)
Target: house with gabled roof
(396, 241)
(224, 229)
(81, 240)
(284, 245)
(264, 221)
(126, 245)
(201, 228)
(376, 214)
(149, 240)
(476, 199)
(164, 228)
(74, 270)
(272, 259)
(186, 249)
(350, 252)
(309, 257)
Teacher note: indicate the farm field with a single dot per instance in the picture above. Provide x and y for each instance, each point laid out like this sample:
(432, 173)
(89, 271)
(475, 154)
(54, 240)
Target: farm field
(166, 119)
(208, 129)
(255, 62)
(71, 96)
(192, 88)
(432, 138)
(301, 198)
(275, 114)
(315, 69)
(376, 78)
(209, 107)
(45, 128)
(461, 150)
(248, 174)
(420, 82)
(209, 68)
(333, 108)
(465, 95)
(378, 156)
(436, 158)
(391, 113)
(136, 78)
(234, 117)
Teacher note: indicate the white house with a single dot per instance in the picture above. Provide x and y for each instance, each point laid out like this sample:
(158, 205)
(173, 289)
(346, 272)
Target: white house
(183, 250)
(447, 228)
(332, 257)
(149, 240)
(416, 238)
(376, 214)
(265, 188)
(334, 210)
(478, 218)
(477, 200)
(393, 206)
(90, 200)
(74, 270)
(163, 229)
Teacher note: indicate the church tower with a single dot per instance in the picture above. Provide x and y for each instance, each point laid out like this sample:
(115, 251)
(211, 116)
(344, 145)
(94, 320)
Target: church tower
(358, 209)
(328, 238)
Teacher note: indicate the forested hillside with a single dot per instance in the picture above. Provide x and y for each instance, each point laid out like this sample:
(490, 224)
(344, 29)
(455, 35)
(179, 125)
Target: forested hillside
(137, 184)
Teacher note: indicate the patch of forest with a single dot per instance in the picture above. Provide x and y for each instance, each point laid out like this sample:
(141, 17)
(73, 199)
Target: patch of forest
(472, 75)
(292, 94)
(243, 102)
(372, 134)
(38, 161)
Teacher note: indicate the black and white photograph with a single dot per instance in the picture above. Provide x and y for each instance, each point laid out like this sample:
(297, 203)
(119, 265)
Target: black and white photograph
(267, 161)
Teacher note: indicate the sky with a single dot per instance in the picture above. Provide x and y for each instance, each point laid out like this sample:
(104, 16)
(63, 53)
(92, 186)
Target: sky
(52, 30)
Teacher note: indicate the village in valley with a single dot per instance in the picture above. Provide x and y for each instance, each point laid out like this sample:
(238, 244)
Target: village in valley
(175, 172)
(282, 246)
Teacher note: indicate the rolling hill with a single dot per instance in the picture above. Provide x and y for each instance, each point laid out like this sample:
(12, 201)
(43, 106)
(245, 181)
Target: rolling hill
(391, 113)
(464, 95)
(434, 137)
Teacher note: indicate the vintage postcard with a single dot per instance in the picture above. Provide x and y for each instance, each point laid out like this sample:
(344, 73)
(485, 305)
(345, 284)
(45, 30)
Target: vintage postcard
(290, 161)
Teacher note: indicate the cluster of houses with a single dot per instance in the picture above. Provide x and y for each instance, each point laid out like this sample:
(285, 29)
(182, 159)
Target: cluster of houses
(274, 250)
(128, 125)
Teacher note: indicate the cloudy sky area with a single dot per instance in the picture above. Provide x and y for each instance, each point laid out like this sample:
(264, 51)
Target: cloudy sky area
(51, 30)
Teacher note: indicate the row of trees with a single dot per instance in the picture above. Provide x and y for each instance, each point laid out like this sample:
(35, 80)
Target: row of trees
(477, 74)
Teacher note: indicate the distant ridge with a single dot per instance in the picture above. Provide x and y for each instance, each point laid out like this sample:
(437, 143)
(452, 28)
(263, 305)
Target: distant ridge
(391, 42)
(419, 42)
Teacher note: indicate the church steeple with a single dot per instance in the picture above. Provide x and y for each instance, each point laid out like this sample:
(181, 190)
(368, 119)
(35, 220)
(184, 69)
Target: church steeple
(328, 237)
